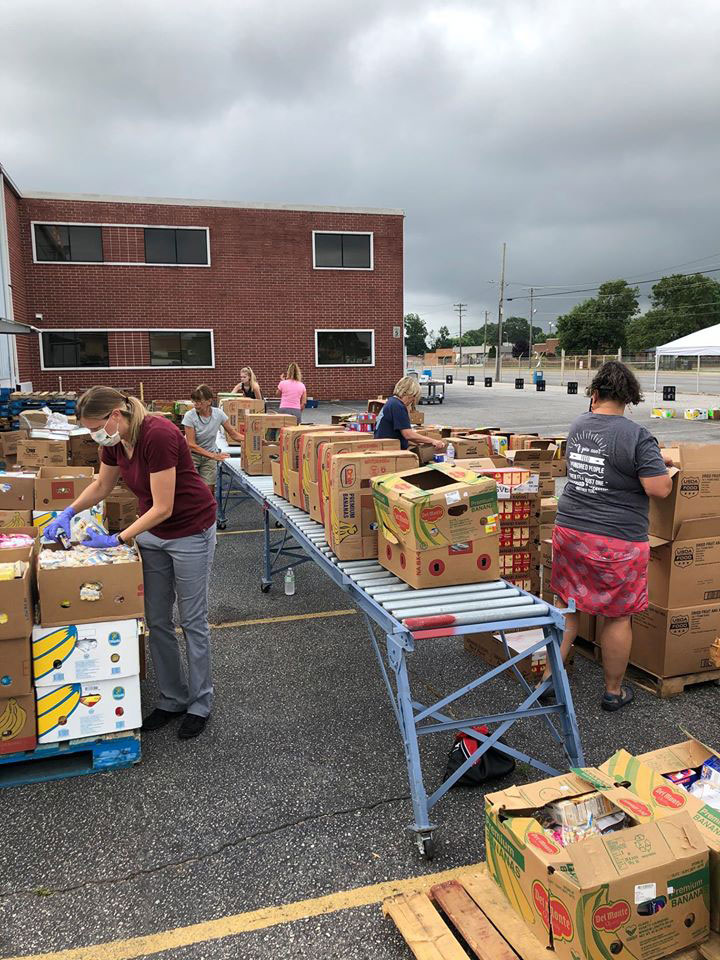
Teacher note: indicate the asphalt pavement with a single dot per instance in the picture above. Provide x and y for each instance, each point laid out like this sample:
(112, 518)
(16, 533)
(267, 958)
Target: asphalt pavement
(298, 788)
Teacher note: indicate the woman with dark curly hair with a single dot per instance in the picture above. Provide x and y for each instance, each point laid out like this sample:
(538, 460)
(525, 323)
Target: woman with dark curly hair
(600, 540)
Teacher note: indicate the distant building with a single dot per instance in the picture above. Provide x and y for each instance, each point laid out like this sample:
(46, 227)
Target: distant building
(549, 348)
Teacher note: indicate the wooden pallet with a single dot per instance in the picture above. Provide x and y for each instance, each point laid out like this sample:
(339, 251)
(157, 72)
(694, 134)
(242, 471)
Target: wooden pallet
(56, 761)
(470, 917)
(662, 687)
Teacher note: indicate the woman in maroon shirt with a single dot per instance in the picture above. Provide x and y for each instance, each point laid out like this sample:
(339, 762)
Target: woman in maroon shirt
(176, 536)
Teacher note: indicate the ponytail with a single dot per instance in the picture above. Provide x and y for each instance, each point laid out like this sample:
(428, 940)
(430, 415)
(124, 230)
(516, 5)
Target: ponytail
(99, 402)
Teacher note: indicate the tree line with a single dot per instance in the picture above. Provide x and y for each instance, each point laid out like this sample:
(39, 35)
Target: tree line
(611, 320)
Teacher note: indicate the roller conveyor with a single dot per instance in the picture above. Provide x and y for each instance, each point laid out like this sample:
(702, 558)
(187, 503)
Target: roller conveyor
(406, 616)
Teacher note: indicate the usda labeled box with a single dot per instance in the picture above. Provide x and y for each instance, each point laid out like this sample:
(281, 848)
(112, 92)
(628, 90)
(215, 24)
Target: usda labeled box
(640, 891)
(686, 571)
(85, 652)
(74, 710)
(695, 490)
(670, 643)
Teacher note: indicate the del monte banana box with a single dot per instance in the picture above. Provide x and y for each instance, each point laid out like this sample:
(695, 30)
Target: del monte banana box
(290, 437)
(74, 710)
(17, 724)
(644, 775)
(437, 526)
(352, 529)
(350, 443)
(640, 892)
(83, 652)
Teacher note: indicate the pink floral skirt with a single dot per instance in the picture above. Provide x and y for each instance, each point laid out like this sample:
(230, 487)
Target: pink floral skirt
(602, 575)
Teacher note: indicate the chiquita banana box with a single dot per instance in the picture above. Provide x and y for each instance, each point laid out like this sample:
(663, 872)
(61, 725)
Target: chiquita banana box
(593, 874)
(353, 523)
(85, 652)
(17, 724)
(438, 526)
(74, 710)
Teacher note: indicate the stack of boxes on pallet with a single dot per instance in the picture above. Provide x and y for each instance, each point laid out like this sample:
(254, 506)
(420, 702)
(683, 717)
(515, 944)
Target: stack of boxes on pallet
(70, 621)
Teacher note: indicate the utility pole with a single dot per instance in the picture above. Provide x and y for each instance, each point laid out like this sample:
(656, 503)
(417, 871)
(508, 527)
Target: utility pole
(459, 307)
(485, 337)
(501, 306)
(532, 293)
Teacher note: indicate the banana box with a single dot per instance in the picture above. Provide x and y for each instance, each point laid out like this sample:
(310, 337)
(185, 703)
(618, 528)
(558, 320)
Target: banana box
(352, 524)
(290, 438)
(15, 668)
(91, 519)
(696, 413)
(18, 731)
(437, 526)
(58, 487)
(645, 776)
(84, 652)
(237, 407)
(307, 461)
(15, 518)
(16, 603)
(662, 413)
(17, 491)
(262, 441)
(641, 891)
(350, 443)
(74, 710)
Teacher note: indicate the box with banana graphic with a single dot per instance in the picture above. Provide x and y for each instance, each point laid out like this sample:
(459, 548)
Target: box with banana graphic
(349, 443)
(437, 526)
(262, 441)
(74, 710)
(625, 884)
(85, 652)
(17, 724)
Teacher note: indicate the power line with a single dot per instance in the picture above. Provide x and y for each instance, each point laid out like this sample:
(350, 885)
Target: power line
(572, 293)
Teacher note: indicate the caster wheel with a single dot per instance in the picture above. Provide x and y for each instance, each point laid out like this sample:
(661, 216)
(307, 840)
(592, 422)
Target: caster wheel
(426, 846)
(278, 525)
(265, 587)
(221, 524)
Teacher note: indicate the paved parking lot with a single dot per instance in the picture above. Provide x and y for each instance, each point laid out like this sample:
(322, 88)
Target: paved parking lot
(222, 847)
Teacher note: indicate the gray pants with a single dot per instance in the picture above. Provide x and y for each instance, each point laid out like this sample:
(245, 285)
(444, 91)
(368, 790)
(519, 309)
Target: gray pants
(291, 412)
(179, 567)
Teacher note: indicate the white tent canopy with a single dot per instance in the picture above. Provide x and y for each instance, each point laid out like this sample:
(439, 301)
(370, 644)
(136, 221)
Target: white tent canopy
(702, 343)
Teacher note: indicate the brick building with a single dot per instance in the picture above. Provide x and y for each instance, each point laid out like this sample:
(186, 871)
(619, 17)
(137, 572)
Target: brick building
(172, 293)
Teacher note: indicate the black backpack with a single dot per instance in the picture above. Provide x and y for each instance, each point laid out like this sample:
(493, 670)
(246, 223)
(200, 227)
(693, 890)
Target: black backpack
(492, 765)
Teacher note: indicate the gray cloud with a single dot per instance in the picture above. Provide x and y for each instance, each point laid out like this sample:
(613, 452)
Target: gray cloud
(583, 134)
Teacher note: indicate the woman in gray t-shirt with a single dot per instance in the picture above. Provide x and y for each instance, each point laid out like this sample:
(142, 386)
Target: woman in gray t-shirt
(201, 430)
(600, 540)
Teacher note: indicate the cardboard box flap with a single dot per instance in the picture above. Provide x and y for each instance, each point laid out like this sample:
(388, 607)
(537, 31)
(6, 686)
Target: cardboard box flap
(530, 796)
(601, 859)
(679, 756)
(699, 529)
(521, 456)
(656, 542)
(436, 479)
(698, 456)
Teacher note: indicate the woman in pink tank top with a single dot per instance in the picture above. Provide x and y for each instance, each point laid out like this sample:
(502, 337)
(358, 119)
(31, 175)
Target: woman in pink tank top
(293, 395)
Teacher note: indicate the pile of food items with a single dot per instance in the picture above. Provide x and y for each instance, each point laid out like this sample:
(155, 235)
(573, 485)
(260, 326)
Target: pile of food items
(87, 557)
(703, 783)
(567, 821)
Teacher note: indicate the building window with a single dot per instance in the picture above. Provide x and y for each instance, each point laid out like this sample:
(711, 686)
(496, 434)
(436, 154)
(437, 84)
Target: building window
(344, 348)
(59, 242)
(181, 348)
(81, 349)
(342, 251)
(169, 246)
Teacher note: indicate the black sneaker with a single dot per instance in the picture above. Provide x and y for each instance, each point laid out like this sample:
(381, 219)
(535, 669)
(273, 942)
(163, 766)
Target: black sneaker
(159, 718)
(615, 701)
(192, 726)
(548, 698)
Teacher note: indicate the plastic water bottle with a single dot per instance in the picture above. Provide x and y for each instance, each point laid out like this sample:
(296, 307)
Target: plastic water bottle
(450, 452)
(290, 582)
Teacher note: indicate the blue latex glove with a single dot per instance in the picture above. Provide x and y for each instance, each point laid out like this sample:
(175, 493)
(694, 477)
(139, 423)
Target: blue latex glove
(100, 540)
(61, 524)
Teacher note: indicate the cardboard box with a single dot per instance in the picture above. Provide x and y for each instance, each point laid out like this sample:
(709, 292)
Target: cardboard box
(277, 476)
(514, 537)
(9, 441)
(262, 441)
(548, 509)
(18, 731)
(42, 453)
(640, 892)
(79, 653)
(686, 572)
(546, 531)
(559, 468)
(120, 589)
(525, 511)
(644, 774)
(15, 668)
(352, 528)
(93, 517)
(662, 413)
(695, 491)
(513, 483)
(83, 451)
(546, 553)
(289, 449)
(12, 519)
(490, 647)
(74, 710)
(521, 441)
(535, 461)
(17, 491)
(308, 462)
(517, 563)
(16, 607)
(470, 446)
(670, 643)
(530, 583)
(349, 443)
(236, 409)
(697, 413)
(121, 509)
(437, 526)
(58, 487)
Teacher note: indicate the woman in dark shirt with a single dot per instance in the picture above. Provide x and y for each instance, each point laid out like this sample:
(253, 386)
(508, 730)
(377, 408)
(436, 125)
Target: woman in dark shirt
(176, 536)
(600, 540)
(393, 422)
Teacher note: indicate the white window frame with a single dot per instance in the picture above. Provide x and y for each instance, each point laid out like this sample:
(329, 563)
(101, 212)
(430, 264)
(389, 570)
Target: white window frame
(117, 263)
(356, 233)
(147, 330)
(356, 366)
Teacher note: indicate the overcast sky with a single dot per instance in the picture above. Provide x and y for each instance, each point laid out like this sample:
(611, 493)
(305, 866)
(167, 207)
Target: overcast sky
(585, 134)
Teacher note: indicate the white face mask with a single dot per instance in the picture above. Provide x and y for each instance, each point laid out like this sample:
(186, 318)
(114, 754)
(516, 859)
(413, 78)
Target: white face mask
(105, 439)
